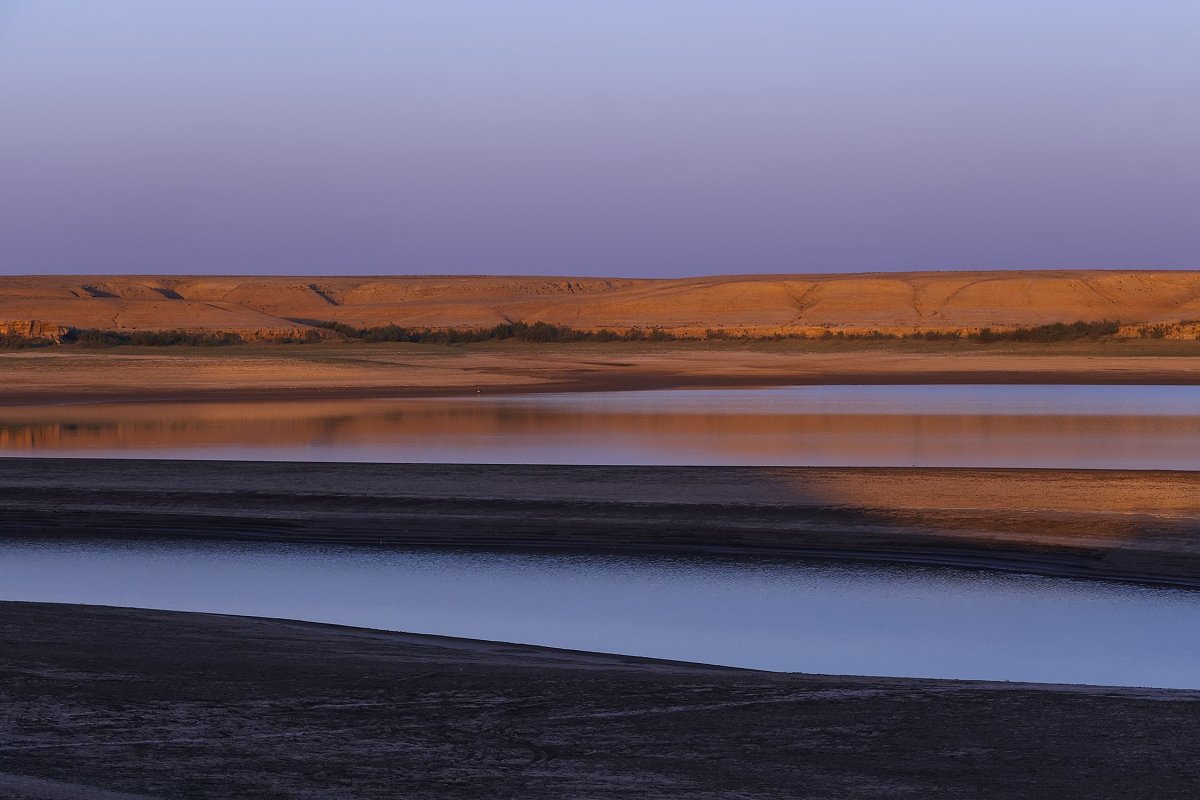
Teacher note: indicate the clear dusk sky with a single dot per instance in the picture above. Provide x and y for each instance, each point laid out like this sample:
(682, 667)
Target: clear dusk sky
(604, 137)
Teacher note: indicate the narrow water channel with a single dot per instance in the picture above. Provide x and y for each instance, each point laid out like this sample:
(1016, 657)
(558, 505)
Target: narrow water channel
(821, 618)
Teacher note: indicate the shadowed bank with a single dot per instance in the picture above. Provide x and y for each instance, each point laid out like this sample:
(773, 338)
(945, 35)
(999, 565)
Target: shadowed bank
(1123, 525)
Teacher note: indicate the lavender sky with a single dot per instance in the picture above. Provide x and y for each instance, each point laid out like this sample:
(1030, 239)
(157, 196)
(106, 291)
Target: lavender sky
(607, 137)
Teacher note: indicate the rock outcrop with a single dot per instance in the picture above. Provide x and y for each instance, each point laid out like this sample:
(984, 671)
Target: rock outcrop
(33, 329)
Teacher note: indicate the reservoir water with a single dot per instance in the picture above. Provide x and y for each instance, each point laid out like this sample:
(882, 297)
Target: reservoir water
(1119, 427)
(821, 618)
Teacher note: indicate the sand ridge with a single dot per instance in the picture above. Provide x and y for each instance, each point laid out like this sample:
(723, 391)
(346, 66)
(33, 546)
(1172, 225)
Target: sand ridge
(755, 304)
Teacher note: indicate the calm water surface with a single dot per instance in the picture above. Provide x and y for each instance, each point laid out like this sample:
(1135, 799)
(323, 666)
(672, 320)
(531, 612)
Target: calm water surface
(1131, 427)
(868, 620)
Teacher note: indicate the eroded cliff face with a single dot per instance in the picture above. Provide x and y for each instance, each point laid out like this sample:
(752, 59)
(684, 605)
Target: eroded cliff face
(33, 329)
(1162, 329)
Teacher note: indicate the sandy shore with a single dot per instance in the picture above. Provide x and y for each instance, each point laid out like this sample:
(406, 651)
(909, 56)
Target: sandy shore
(1122, 525)
(117, 703)
(343, 371)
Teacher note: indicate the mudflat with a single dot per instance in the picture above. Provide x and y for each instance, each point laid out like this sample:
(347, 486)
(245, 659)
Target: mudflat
(332, 370)
(119, 703)
(1109, 524)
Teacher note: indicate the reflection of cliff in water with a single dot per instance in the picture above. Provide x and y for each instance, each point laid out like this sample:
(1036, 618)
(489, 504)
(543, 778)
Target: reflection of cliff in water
(529, 431)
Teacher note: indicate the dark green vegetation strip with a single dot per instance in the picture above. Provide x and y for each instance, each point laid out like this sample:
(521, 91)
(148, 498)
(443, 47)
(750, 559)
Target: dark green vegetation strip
(541, 332)
(92, 337)
(544, 332)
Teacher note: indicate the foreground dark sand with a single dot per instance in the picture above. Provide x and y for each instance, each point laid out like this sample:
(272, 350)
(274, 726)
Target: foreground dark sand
(1124, 525)
(97, 701)
(166, 704)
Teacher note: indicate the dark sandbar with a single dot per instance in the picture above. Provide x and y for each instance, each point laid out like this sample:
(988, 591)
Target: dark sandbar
(1107, 524)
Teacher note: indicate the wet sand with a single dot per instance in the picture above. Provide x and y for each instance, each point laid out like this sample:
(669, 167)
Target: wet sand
(1108, 524)
(164, 704)
(332, 371)
(120, 704)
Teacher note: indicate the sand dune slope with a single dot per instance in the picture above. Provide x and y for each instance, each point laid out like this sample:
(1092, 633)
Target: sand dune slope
(894, 302)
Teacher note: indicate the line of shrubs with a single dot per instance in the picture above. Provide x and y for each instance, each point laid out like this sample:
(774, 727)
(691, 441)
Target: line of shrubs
(1054, 332)
(96, 337)
(1042, 334)
(520, 331)
(543, 332)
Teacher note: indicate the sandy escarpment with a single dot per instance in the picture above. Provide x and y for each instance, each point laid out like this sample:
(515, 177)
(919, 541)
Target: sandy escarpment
(757, 304)
(33, 329)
